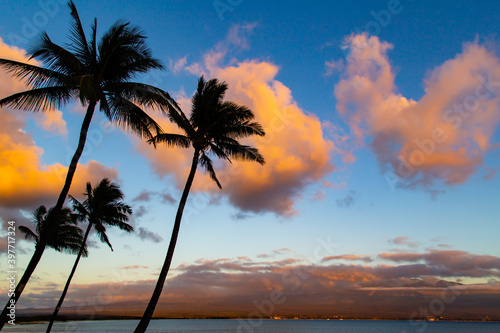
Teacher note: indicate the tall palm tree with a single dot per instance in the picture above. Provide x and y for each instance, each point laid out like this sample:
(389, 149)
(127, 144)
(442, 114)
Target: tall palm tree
(212, 129)
(54, 229)
(94, 72)
(103, 206)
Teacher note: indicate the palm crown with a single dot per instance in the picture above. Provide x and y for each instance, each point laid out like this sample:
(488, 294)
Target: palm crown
(214, 127)
(93, 71)
(57, 230)
(103, 207)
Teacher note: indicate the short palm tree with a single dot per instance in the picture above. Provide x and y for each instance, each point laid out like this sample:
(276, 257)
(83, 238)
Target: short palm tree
(94, 72)
(103, 206)
(54, 229)
(212, 129)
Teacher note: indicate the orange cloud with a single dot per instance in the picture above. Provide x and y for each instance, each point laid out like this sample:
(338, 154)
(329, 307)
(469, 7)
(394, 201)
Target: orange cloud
(53, 122)
(295, 148)
(24, 181)
(444, 136)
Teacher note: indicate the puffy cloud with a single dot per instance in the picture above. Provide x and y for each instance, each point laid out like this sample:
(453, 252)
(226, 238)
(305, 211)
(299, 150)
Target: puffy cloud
(295, 148)
(443, 137)
(53, 122)
(24, 181)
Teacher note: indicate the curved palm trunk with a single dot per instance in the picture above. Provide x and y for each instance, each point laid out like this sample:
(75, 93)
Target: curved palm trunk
(76, 156)
(22, 283)
(146, 317)
(61, 299)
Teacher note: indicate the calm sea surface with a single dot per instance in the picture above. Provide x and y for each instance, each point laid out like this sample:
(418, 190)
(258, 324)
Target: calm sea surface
(264, 326)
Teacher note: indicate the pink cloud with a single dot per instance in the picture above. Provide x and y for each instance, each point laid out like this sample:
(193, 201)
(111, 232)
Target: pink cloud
(441, 138)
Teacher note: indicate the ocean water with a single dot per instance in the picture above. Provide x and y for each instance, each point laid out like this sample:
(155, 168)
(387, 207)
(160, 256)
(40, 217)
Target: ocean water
(263, 326)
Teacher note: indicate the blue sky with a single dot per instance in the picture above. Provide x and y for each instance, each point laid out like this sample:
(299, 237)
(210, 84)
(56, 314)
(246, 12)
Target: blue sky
(303, 55)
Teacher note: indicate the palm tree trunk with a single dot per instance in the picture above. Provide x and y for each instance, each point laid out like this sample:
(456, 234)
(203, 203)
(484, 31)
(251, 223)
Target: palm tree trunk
(76, 156)
(22, 283)
(61, 299)
(146, 317)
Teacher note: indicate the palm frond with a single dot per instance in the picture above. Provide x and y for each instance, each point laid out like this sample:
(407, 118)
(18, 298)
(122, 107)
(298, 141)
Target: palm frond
(206, 163)
(93, 41)
(55, 57)
(79, 43)
(172, 140)
(126, 114)
(101, 233)
(141, 64)
(243, 152)
(143, 94)
(219, 152)
(243, 129)
(177, 116)
(28, 234)
(39, 99)
(39, 218)
(68, 239)
(124, 53)
(234, 113)
(39, 213)
(32, 75)
(125, 226)
(79, 208)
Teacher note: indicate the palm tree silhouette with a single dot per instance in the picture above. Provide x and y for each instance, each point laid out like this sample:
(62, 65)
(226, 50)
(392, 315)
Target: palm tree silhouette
(212, 128)
(103, 206)
(94, 72)
(54, 229)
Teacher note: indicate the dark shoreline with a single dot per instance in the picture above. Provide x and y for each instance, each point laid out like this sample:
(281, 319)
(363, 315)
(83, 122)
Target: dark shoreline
(22, 320)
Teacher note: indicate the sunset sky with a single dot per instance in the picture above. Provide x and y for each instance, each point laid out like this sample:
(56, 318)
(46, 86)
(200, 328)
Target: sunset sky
(381, 181)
